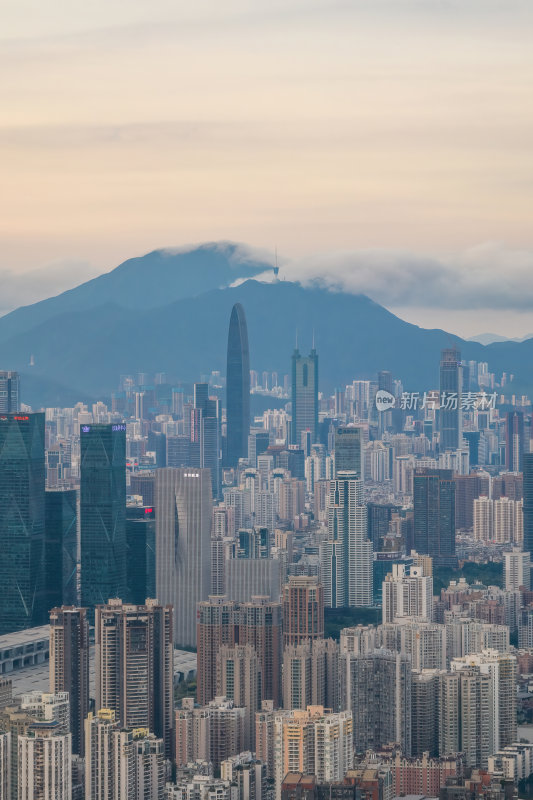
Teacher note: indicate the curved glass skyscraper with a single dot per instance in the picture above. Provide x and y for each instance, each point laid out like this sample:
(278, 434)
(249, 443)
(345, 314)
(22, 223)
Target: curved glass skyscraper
(237, 388)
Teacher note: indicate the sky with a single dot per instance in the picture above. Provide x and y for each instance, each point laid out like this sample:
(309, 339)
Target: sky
(384, 146)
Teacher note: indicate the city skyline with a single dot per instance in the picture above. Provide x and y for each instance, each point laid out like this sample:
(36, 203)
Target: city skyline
(266, 400)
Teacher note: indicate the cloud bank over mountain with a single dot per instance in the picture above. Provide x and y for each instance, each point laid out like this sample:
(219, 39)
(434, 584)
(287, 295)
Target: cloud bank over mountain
(489, 276)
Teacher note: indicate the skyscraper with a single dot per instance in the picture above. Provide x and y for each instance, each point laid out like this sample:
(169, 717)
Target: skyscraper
(376, 686)
(140, 554)
(407, 595)
(304, 395)
(22, 517)
(314, 741)
(120, 763)
(517, 569)
(102, 513)
(501, 669)
(237, 388)
(450, 417)
(311, 674)
(434, 515)
(528, 502)
(69, 666)
(384, 417)
(217, 627)
(205, 439)
(260, 626)
(5, 766)
(183, 545)
(239, 679)
(425, 712)
(134, 666)
(349, 450)
(9, 392)
(346, 557)
(61, 548)
(303, 610)
(514, 441)
(44, 763)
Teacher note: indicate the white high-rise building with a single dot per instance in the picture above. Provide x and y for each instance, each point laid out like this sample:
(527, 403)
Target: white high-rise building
(240, 503)
(347, 529)
(47, 707)
(501, 669)
(44, 763)
(424, 641)
(507, 520)
(183, 550)
(498, 520)
(333, 556)
(483, 519)
(407, 595)
(358, 640)
(517, 569)
(265, 511)
(465, 636)
(121, 763)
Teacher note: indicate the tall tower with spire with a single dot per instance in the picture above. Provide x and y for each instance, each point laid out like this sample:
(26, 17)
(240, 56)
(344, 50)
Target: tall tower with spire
(304, 394)
(237, 388)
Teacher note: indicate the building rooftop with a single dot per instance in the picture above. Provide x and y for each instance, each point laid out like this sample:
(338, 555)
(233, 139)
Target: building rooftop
(21, 638)
(36, 677)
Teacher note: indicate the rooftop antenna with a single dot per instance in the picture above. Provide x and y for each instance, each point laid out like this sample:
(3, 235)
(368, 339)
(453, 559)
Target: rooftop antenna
(296, 344)
(313, 338)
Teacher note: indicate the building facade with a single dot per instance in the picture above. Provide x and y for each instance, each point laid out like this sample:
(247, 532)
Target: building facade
(102, 513)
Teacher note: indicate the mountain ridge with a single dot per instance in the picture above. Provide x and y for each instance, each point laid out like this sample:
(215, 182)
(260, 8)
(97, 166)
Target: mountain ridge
(86, 350)
(146, 281)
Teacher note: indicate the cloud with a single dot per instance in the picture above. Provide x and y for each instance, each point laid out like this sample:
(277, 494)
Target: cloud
(25, 288)
(488, 276)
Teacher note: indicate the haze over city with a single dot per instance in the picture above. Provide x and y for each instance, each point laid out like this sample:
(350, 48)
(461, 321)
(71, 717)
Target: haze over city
(323, 129)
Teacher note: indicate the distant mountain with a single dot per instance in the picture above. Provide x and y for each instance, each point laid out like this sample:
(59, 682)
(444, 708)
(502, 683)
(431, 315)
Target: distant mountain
(491, 338)
(152, 280)
(488, 338)
(83, 340)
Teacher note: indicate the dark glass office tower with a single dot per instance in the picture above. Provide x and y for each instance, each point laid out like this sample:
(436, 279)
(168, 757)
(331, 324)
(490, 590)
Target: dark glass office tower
(61, 548)
(379, 516)
(205, 438)
(434, 515)
(22, 488)
(237, 388)
(450, 417)
(304, 395)
(140, 537)
(102, 513)
(528, 502)
(348, 450)
(514, 440)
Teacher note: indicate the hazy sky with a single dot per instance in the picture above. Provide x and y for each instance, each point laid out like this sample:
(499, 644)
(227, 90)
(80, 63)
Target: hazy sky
(386, 145)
